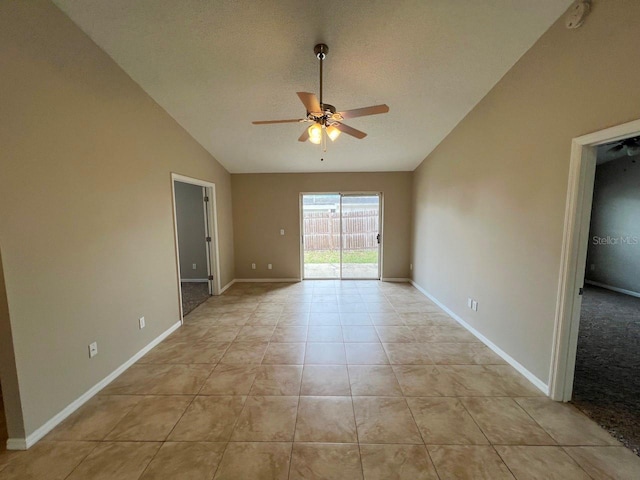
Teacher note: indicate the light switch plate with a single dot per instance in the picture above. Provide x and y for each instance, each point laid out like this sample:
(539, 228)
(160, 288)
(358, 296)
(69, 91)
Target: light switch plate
(93, 349)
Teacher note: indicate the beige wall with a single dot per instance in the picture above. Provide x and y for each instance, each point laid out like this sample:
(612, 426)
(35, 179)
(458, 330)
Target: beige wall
(616, 215)
(8, 373)
(191, 231)
(86, 222)
(489, 202)
(265, 203)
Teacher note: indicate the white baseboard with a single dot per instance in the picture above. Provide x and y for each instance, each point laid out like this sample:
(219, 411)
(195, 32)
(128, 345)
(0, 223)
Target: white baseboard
(266, 280)
(25, 443)
(194, 280)
(399, 280)
(226, 287)
(539, 384)
(16, 444)
(614, 289)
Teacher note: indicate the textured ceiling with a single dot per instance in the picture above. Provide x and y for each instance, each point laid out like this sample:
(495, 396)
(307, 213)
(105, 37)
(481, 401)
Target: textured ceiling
(217, 65)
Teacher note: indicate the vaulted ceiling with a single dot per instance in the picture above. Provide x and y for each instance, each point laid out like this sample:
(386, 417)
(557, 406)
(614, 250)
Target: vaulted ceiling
(215, 66)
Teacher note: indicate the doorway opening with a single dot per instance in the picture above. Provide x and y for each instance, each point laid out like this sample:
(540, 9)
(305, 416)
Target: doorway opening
(196, 232)
(596, 358)
(606, 383)
(341, 235)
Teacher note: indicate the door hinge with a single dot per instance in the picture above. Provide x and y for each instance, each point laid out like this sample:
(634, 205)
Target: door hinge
(210, 277)
(378, 238)
(580, 291)
(206, 199)
(208, 239)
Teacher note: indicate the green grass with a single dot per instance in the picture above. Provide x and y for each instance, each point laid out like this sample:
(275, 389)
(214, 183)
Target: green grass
(328, 256)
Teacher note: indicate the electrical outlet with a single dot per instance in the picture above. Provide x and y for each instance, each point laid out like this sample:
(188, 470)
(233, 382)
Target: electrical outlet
(470, 302)
(93, 349)
(474, 306)
(282, 231)
(194, 266)
(253, 266)
(141, 322)
(269, 266)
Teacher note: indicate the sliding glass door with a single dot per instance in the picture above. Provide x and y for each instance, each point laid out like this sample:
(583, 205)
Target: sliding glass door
(341, 236)
(360, 236)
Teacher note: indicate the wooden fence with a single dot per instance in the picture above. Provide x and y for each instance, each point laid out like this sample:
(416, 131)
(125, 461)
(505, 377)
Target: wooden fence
(359, 230)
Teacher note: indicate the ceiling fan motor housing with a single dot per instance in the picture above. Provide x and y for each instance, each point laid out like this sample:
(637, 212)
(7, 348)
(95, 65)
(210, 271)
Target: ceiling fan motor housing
(328, 113)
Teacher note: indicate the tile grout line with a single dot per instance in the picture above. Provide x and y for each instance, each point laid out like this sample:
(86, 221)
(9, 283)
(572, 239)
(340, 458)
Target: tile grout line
(405, 399)
(295, 425)
(234, 424)
(424, 444)
(191, 403)
(577, 463)
(79, 463)
(355, 419)
(503, 461)
(459, 399)
(533, 419)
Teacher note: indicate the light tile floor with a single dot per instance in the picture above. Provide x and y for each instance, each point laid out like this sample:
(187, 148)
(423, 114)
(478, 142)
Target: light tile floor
(349, 270)
(322, 379)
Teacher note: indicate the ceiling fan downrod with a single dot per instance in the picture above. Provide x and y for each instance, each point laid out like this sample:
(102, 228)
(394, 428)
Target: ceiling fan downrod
(321, 51)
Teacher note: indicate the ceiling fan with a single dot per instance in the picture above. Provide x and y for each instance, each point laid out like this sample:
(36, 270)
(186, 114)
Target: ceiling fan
(325, 120)
(632, 145)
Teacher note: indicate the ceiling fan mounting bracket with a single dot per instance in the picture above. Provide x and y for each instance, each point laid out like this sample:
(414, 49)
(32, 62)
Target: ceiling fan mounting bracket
(321, 51)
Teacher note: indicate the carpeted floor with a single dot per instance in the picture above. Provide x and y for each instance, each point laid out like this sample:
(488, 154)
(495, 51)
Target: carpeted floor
(607, 378)
(193, 294)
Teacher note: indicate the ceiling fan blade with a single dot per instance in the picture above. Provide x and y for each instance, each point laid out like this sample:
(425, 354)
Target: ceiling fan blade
(616, 148)
(349, 130)
(310, 102)
(305, 135)
(361, 112)
(269, 122)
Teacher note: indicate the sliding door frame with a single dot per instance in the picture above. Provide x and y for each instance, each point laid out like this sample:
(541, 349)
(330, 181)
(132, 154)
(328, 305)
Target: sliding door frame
(380, 196)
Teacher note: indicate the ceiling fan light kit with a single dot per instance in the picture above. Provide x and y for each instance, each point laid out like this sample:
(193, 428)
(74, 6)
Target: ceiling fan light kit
(325, 120)
(315, 134)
